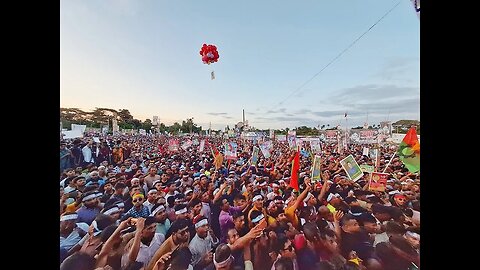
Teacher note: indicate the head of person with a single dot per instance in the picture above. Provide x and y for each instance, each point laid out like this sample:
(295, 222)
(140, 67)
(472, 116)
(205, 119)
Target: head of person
(203, 180)
(224, 204)
(79, 182)
(368, 222)
(107, 187)
(148, 231)
(394, 228)
(232, 236)
(135, 182)
(123, 168)
(188, 194)
(119, 188)
(196, 206)
(352, 201)
(159, 213)
(350, 224)
(239, 200)
(201, 226)
(102, 170)
(181, 259)
(413, 238)
(239, 220)
(249, 187)
(271, 207)
(311, 232)
(138, 199)
(310, 200)
(181, 211)
(205, 197)
(285, 247)
(67, 222)
(179, 231)
(101, 222)
(329, 240)
(256, 217)
(325, 213)
(70, 172)
(381, 212)
(400, 199)
(152, 195)
(284, 263)
(152, 171)
(222, 258)
(171, 187)
(90, 199)
(258, 201)
(113, 211)
(78, 261)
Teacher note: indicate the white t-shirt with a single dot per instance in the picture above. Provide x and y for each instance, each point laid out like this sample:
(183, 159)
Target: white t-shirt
(145, 254)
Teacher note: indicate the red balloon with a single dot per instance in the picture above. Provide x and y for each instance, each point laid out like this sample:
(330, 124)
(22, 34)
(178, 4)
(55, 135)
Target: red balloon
(209, 53)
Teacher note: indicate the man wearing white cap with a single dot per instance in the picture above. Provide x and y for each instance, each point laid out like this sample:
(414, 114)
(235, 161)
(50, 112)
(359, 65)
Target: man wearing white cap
(202, 244)
(102, 173)
(151, 199)
(70, 233)
(160, 215)
(257, 206)
(90, 208)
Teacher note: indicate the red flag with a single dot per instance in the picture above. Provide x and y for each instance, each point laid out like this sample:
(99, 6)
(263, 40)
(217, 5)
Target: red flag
(295, 169)
(409, 151)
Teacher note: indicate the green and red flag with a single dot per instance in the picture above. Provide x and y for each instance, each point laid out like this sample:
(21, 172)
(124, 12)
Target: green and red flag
(409, 151)
(295, 169)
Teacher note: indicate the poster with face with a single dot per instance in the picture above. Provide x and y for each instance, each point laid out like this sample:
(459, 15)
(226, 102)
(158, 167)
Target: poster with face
(255, 155)
(292, 139)
(351, 168)
(316, 169)
(378, 182)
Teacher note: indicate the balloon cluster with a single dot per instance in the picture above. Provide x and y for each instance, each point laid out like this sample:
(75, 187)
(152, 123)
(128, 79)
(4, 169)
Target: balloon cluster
(209, 54)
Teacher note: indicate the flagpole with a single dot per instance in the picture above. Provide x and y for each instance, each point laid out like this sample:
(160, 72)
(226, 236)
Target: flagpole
(389, 161)
(346, 125)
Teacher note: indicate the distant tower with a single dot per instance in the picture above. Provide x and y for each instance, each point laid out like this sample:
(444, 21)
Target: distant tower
(243, 110)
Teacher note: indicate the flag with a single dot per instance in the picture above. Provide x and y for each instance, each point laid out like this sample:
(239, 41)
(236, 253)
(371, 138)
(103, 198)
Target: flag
(409, 151)
(295, 169)
(416, 5)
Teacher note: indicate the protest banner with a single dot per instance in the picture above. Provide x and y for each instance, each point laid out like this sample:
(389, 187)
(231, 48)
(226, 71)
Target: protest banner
(255, 155)
(230, 150)
(266, 148)
(292, 139)
(378, 181)
(367, 168)
(173, 145)
(316, 169)
(202, 145)
(351, 168)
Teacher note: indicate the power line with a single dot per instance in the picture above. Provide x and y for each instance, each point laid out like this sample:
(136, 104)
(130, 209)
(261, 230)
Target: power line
(340, 54)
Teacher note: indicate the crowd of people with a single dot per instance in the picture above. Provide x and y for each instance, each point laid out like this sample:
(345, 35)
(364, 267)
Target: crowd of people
(128, 202)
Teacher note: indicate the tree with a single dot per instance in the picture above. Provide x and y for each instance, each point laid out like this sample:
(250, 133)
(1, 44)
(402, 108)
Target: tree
(125, 116)
(175, 128)
(147, 124)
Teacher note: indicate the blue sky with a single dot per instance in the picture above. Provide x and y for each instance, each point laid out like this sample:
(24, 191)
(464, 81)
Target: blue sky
(144, 56)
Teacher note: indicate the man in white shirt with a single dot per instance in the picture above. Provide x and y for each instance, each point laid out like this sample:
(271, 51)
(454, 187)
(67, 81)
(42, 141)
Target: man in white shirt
(202, 244)
(151, 199)
(87, 153)
(145, 243)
